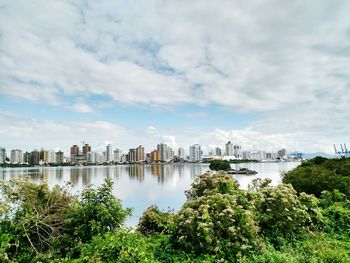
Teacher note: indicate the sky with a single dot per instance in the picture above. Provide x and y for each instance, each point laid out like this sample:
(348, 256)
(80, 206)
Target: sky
(264, 74)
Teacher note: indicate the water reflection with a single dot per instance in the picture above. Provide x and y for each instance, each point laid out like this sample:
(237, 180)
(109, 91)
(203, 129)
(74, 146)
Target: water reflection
(139, 186)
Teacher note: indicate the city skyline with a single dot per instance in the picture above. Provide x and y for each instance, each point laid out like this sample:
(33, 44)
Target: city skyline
(265, 75)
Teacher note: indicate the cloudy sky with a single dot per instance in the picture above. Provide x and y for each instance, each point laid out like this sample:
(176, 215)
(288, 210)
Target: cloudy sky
(264, 74)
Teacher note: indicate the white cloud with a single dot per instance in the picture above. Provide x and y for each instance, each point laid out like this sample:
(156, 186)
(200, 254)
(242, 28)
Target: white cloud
(289, 61)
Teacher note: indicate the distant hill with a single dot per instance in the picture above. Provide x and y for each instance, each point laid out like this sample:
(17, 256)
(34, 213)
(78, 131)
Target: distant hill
(322, 154)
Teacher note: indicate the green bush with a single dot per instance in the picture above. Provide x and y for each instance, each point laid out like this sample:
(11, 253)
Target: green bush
(154, 221)
(319, 174)
(216, 224)
(33, 216)
(282, 212)
(211, 183)
(218, 165)
(96, 212)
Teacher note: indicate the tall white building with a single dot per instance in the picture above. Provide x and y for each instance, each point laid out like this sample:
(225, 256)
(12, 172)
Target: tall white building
(181, 152)
(109, 153)
(2, 155)
(237, 151)
(16, 156)
(195, 153)
(51, 156)
(118, 155)
(163, 152)
(229, 149)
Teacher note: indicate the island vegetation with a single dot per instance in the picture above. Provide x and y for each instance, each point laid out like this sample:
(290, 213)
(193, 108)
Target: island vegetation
(219, 222)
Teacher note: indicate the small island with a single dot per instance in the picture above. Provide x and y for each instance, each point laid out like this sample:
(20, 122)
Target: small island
(224, 165)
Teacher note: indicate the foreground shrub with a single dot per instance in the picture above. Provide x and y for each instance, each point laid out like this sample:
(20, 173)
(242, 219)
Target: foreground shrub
(154, 221)
(217, 224)
(212, 183)
(283, 213)
(319, 174)
(32, 217)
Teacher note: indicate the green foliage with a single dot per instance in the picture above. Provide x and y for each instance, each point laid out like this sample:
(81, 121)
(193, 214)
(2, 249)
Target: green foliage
(154, 221)
(212, 183)
(319, 174)
(217, 224)
(218, 165)
(96, 212)
(34, 216)
(282, 212)
(118, 246)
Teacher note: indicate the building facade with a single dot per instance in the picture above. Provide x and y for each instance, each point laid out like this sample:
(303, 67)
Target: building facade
(195, 153)
(229, 149)
(16, 156)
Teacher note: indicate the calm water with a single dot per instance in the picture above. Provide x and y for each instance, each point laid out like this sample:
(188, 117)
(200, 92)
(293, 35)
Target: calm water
(139, 186)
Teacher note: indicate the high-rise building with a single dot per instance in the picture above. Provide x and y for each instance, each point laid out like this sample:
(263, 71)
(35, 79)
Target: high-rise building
(282, 153)
(181, 152)
(35, 157)
(26, 157)
(59, 157)
(247, 155)
(140, 154)
(229, 149)
(163, 152)
(170, 153)
(155, 156)
(118, 155)
(237, 151)
(86, 149)
(217, 151)
(44, 156)
(2, 155)
(109, 153)
(74, 151)
(195, 153)
(16, 156)
(132, 156)
(52, 156)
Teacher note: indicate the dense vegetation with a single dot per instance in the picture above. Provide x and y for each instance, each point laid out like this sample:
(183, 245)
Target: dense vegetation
(219, 222)
(218, 165)
(319, 174)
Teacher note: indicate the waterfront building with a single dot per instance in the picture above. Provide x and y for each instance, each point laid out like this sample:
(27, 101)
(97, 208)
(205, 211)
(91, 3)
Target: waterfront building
(237, 151)
(155, 156)
(218, 151)
(148, 158)
(34, 157)
(2, 155)
(118, 155)
(229, 149)
(74, 150)
(195, 153)
(59, 157)
(260, 155)
(140, 154)
(44, 156)
(170, 154)
(16, 156)
(282, 153)
(109, 153)
(86, 149)
(26, 157)
(181, 153)
(51, 156)
(124, 158)
(163, 152)
(246, 155)
(132, 156)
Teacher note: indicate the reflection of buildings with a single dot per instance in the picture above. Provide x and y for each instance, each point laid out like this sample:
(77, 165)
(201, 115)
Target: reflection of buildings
(137, 171)
(166, 172)
(59, 174)
(155, 169)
